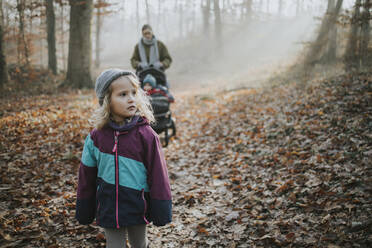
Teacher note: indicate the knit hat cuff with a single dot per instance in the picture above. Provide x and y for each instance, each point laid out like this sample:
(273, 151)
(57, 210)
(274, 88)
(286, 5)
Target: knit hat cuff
(101, 92)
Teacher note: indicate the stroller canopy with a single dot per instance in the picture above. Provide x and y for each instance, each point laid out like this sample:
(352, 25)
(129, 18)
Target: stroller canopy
(157, 74)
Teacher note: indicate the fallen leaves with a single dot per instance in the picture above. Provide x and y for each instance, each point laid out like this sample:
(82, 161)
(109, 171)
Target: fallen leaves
(280, 167)
(281, 164)
(41, 142)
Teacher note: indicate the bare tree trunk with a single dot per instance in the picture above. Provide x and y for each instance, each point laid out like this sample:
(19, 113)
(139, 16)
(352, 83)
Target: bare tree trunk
(22, 39)
(63, 38)
(29, 38)
(3, 66)
(180, 21)
(352, 60)
(280, 7)
(260, 6)
(31, 20)
(50, 19)
(365, 35)
(165, 26)
(137, 15)
(3, 19)
(79, 52)
(332, 36)
(217, 22)
(41, 33)
(19, 44)
(193, 17)
(332, 46)
(124, 16)
(158, 19)
(297, 7)
(147, 12)
(206, 17)
(317, 47)
(97, 61)
(248, 10)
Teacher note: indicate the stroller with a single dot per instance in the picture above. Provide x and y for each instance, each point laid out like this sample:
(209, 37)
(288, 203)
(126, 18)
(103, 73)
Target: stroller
(160, 101)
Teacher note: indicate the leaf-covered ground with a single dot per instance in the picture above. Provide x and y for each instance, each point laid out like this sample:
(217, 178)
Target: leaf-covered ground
(289, 166)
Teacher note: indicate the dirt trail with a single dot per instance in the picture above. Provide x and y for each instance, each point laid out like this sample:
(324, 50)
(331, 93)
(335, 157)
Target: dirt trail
(253, 168)
(277, 167)
(209, 83)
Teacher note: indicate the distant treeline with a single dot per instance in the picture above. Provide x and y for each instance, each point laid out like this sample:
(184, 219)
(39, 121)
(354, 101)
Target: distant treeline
(57, 34)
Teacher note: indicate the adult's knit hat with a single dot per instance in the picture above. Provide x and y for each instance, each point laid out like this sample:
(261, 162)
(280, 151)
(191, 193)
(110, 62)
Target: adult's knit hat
(104, 81)
(146, 26)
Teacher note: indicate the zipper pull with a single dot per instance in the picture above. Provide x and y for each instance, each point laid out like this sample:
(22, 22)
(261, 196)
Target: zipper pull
(116, 142)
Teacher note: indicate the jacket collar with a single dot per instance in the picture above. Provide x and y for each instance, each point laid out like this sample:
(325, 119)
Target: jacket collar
(136, 121)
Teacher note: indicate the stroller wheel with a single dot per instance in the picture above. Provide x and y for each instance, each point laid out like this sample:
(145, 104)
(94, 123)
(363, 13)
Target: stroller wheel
(166, 138)
(173, 127)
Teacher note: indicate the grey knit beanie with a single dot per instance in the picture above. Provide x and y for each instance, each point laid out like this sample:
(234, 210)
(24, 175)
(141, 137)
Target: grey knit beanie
(146, 26)
(104, 81)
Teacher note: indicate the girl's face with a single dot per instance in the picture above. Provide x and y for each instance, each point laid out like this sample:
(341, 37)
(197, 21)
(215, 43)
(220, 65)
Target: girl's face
(122, 104)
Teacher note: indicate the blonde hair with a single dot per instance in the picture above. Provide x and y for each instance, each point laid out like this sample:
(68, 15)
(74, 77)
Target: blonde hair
(101, 116)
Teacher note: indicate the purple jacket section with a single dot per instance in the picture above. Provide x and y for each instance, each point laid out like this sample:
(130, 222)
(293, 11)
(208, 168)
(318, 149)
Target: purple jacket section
(157, 173)
(87, 179)
(142, 144)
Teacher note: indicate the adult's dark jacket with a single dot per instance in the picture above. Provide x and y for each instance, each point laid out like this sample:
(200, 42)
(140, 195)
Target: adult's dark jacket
(164, 56)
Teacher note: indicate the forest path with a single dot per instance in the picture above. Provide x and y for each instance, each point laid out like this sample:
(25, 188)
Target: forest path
(271, 167)
(283, 166)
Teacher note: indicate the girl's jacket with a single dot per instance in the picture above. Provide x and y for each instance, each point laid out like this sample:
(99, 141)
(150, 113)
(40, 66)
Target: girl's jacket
(123, 178)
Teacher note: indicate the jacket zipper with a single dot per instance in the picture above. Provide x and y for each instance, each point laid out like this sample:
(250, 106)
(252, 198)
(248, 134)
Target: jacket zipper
(144, 201)
(116, 177)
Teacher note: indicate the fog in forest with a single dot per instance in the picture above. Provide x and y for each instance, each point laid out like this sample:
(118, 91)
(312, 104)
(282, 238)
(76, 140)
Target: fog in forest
(253, 42)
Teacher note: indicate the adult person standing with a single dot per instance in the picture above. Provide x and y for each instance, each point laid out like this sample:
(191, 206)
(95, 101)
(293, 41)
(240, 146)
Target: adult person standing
(150, 52)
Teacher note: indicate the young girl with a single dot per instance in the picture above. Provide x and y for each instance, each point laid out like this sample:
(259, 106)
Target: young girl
(123, 178)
